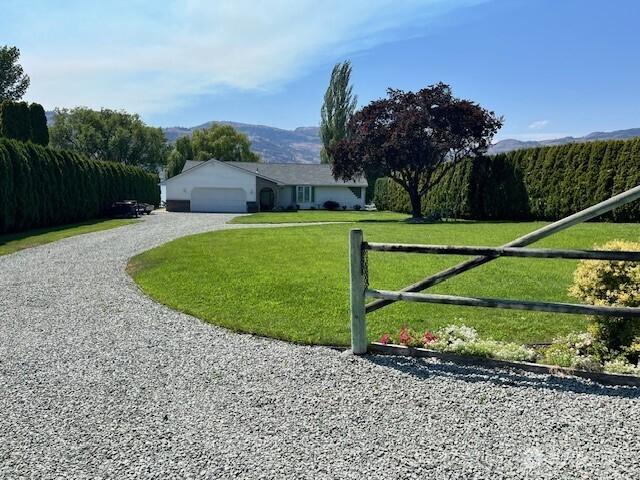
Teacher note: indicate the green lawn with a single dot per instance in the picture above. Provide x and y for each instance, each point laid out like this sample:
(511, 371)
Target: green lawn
(13, 242)
(292, 283)
(310, 216)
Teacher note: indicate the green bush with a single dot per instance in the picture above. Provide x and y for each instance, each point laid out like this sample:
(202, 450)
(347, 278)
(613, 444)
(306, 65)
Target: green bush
(533, 184)
(15, 121)
(41, 187)
(38, 119)
(608, 283)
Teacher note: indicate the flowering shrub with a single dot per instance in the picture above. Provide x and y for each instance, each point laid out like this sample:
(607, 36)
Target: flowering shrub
(612, 283)
(577, 350)
(620, 365)
(428, 338)
(463, 340)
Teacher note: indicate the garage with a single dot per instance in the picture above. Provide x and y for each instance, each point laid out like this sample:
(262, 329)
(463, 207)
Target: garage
(232, 200)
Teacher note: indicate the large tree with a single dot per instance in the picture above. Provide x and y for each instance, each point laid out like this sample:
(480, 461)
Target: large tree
(222, 142)
(414, 138)
(337, 108)
(13, 81)
(110, 135)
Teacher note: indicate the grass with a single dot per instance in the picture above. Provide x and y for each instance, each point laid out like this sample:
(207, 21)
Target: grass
(13, 242)
(292, 283)
(311, 216)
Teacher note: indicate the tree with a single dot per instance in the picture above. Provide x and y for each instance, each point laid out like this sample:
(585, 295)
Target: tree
(13, 81)
(183, 145)
(414, 138)
(175, 163)
(222, 142)
(39, 130)
(338, 107)
(110, 135)
(15, 120)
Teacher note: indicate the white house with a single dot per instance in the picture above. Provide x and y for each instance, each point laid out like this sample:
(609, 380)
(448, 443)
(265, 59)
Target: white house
(215, 186)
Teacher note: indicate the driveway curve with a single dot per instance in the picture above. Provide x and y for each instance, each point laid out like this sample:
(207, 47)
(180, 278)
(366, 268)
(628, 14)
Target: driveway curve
(98, 381)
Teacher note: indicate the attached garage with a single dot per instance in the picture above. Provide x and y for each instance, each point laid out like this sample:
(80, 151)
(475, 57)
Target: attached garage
(227, 200)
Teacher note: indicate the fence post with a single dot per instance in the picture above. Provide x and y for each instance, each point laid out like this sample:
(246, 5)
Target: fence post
(358, 326)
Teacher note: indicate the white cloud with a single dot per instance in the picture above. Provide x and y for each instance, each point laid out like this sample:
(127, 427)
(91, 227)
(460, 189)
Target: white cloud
(152, 56)
(539, 124)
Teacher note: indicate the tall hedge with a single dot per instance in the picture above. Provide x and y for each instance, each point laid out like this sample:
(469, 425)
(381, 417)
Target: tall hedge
(15, 120)
(39, 130)
(533, 184)
(41, 187)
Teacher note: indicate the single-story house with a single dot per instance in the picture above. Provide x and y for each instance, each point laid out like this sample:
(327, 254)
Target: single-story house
(215, 186)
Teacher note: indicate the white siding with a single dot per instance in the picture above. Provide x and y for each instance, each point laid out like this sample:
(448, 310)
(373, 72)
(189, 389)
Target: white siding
(342, 195)
(211, 175)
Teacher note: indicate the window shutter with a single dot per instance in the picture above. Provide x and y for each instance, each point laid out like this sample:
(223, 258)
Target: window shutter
(313, 194)
(294, 193)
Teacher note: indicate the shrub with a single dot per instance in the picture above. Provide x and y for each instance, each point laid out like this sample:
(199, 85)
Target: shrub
(357, 207)
(38, 120)
(533, 184)
(331, 205)
(619, 365)
(15, 121)
(41, 187)
(616, 283)
(577, 350)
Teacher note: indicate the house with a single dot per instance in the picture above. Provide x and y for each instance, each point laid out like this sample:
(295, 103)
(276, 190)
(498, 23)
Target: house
(215, 186)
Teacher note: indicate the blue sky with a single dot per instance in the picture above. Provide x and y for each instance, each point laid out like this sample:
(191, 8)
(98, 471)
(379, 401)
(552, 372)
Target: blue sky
(550, 67)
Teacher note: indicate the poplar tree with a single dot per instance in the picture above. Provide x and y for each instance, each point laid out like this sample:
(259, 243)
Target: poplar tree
(337, 108)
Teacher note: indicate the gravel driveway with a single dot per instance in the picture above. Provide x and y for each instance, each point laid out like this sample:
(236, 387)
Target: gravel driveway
(97, 381)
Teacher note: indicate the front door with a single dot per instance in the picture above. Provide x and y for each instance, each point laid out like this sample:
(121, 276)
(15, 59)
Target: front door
(267, 199)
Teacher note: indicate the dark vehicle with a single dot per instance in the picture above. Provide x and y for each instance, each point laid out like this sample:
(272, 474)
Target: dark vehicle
(125, 208)
(145, 208)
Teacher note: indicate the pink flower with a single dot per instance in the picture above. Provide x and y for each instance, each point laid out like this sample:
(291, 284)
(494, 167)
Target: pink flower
(428, 338)
(384, 339)
(405, 336)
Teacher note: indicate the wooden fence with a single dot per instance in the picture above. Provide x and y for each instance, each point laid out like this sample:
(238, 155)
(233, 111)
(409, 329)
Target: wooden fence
(359, 271)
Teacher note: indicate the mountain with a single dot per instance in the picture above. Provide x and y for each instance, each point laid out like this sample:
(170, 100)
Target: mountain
(274, 145)
(510, 144)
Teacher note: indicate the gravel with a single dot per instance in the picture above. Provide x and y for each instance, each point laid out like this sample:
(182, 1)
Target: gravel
(98, 381)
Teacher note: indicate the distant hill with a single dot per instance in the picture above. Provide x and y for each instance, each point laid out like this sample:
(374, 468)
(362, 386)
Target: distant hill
(303, 144)
(511, 144)
(274, 145)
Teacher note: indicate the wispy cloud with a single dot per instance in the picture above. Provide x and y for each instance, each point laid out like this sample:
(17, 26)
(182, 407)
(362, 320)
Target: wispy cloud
(151, 56)
(539, 124)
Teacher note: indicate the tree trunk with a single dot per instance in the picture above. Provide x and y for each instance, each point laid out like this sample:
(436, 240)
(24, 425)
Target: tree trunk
(416, 202)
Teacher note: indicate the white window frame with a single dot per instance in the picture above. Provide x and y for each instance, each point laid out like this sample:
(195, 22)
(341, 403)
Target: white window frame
(303, 194)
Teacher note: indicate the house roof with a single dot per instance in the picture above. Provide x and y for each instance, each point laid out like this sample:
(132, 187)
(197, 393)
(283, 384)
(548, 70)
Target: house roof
(299, 173)
(289, 173)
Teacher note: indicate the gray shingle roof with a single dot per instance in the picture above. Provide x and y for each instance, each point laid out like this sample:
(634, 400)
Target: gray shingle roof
(298, 173)
(291, 173)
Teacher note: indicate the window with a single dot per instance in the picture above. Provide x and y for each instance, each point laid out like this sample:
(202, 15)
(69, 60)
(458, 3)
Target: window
(357, 191)
(303, 194)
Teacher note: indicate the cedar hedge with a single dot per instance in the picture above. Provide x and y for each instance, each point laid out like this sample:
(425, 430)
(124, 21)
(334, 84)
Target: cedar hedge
(545, 183)
(24, 122)
(42, 187)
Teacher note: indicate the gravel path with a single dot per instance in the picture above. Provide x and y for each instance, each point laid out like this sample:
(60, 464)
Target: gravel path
(97, 381)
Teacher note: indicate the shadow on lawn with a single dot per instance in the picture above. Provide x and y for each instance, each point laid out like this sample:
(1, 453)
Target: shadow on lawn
(426, 368)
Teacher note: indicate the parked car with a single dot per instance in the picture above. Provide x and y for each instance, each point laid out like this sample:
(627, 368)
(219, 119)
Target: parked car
(126, 208)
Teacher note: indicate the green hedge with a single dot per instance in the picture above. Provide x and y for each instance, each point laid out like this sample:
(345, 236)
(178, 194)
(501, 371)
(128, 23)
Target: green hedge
(41, 187)
(534, 184)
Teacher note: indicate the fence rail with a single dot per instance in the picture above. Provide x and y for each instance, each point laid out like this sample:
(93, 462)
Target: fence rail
(516, 248)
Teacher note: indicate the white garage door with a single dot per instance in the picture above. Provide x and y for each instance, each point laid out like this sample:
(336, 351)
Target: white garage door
(232, 200)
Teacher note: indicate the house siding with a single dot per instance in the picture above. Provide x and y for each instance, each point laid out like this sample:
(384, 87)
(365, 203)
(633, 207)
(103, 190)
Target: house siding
(211, 175)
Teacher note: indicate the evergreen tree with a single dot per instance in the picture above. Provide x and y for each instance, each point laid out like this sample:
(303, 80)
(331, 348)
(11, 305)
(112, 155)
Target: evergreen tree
(39, 130)
(337, 109)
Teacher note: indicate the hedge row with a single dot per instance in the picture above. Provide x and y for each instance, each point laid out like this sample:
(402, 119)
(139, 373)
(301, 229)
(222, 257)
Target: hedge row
(533, 184)
(21, 121)
(41, 187)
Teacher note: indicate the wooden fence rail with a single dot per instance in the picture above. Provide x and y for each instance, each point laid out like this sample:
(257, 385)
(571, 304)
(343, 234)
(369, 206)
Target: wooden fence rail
(359, 271)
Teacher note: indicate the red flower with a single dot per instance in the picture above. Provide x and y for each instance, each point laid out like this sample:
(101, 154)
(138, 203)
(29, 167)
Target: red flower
(405, 336)
(386, 338)
(428, 338)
